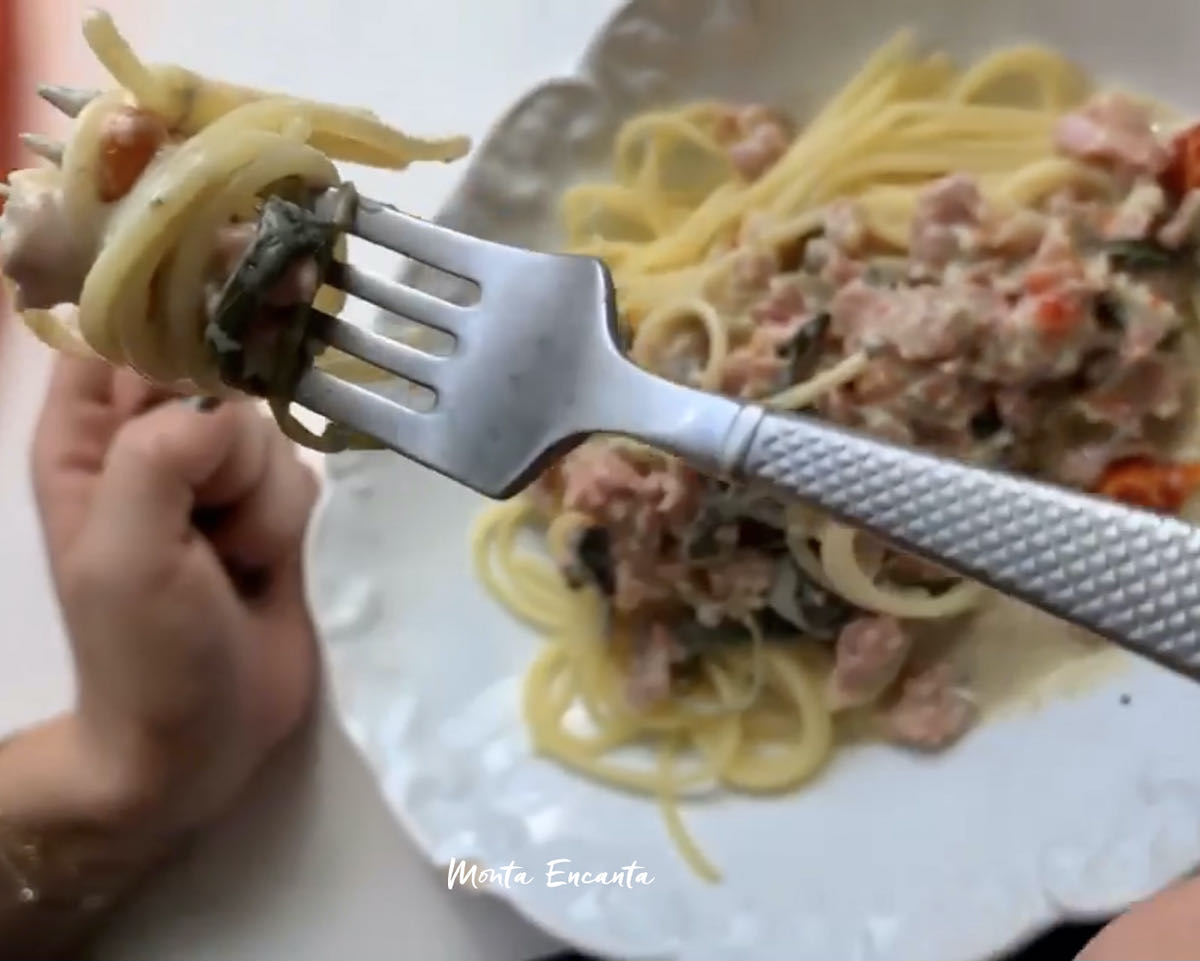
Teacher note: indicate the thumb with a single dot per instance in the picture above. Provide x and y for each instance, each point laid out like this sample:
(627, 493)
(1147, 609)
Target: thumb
(166, 463)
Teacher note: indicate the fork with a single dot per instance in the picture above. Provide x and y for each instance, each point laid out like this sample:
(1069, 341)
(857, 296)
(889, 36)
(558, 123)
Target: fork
(536, 368)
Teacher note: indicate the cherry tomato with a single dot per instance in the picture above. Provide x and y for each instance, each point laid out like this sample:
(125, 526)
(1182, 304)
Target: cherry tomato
(1057, 316)
(1183, 172)
(1157, 486)
(128, 142)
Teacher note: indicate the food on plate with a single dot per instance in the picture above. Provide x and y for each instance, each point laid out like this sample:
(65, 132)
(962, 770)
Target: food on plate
(997, 264)
(173, 232)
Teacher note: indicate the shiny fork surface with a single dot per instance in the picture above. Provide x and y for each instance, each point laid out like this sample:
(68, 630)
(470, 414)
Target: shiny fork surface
(536, 368)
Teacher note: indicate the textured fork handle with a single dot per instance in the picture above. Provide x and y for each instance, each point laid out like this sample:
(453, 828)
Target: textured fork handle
(1130, 576)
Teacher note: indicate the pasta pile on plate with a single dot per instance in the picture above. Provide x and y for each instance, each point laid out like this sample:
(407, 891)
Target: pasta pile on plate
(990, 263)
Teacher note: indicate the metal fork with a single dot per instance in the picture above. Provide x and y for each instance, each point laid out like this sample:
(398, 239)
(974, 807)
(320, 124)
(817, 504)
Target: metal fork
(536, 368)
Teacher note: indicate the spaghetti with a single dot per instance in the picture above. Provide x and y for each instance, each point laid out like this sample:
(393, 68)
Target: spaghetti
(121, 245)
(981, 262)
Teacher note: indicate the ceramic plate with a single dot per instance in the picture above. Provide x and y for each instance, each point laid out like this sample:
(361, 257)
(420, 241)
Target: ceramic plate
(1072, 808)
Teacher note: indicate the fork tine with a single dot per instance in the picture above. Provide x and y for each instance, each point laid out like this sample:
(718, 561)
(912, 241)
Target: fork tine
(399, 299)
(44, 147)
(404, 430)
(69, 100)
(394, 356)
(465, 256)
(420, 239)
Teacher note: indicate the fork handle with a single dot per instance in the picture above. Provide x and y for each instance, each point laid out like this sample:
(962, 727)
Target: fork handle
(1130, 576)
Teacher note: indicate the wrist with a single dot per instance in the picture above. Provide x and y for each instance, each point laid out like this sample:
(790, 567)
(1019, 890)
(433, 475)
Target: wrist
(75, 835)
(163, 780)
(77, 823)
(56, 774)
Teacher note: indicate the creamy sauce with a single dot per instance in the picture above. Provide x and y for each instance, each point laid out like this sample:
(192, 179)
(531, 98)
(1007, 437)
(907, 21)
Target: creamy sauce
(41, 252)
(1019, 659)
(1016, 660)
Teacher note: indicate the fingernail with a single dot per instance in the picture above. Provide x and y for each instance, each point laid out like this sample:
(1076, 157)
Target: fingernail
(204, 405)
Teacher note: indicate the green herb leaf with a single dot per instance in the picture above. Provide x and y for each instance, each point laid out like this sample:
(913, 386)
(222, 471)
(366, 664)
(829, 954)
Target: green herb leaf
(270, 365)
(1141, 255)
(803, 352)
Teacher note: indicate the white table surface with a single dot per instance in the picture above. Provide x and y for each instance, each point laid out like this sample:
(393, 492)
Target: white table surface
(312, 866)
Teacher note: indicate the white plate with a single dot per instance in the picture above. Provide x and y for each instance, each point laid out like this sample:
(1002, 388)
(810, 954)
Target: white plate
(1072, 810)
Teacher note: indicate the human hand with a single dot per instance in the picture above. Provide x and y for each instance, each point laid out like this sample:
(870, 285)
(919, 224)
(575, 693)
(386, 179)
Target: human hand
(174, 537)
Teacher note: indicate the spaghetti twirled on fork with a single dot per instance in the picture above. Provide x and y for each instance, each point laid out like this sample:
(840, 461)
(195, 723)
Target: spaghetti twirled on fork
(171, 188)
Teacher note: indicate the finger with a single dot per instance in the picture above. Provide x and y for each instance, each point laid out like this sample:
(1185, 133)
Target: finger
(161, 466)
(86, 402)
(1165, 926)
(286, 657)
(132, 395)
(72, 434)
(76, 379)
(75, 410)
(267, 525)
